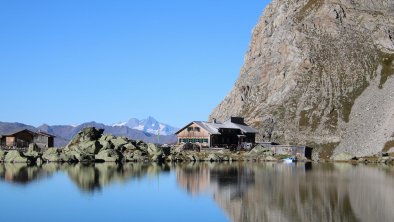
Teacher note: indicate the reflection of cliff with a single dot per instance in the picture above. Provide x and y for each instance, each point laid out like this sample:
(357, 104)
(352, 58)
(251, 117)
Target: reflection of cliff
(279, 192)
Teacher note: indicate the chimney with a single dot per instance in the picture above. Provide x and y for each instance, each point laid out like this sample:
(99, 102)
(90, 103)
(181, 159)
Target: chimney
(213, 120)
(238, 120)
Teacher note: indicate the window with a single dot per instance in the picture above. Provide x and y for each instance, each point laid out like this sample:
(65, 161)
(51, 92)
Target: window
(185, 140)
(180, 140)
(205, 140)
(197, 140)
(189, 129)
(197, 129)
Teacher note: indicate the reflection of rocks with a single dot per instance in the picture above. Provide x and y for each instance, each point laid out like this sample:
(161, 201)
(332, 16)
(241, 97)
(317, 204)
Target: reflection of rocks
(20, 173)
(303, 192)
(90, 177)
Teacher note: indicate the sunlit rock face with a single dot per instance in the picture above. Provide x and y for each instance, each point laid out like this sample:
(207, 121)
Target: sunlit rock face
(319, 72)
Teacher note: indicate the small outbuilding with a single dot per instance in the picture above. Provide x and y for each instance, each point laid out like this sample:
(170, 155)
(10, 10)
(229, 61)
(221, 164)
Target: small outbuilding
(25, 137)
(232, 133)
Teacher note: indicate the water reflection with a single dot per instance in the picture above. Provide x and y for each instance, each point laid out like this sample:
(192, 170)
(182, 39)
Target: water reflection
(88, 177)
(250, 192)
(302, 192)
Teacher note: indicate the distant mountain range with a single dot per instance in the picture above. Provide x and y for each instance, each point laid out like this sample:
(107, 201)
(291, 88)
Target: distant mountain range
(149, 125)
(145, 130)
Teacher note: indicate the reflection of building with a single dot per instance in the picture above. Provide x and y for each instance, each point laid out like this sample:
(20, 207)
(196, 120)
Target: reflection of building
(25, 137)
(195, 179)
(233, 132)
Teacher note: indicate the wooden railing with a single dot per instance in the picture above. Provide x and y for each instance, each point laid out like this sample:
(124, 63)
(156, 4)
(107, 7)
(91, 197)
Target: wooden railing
(8, 148)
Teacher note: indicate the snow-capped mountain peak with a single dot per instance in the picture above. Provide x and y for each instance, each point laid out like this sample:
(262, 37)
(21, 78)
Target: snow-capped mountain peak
(149, 125)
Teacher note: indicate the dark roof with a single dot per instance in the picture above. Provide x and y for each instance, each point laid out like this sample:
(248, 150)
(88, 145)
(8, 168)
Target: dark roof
(213, 128)
(45, 134)
(31, 132)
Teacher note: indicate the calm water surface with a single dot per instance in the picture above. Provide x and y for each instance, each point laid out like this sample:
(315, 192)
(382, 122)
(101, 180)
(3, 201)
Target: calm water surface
(197, 192)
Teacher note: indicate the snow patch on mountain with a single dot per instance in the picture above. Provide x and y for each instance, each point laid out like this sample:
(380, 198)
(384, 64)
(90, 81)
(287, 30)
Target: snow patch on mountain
(149, 125)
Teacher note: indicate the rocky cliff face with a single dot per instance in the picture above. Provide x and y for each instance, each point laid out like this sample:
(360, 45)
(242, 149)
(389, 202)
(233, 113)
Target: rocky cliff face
(319, 72)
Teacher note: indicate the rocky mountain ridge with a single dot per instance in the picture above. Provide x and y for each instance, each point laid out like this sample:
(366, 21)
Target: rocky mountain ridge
(319, 72)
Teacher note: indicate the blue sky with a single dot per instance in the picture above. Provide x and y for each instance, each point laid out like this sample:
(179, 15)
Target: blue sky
(69, 62)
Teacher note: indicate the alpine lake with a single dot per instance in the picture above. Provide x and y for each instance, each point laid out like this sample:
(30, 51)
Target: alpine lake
(239, 191)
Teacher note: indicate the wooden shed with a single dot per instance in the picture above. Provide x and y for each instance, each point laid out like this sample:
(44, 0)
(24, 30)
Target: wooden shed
(25, 137)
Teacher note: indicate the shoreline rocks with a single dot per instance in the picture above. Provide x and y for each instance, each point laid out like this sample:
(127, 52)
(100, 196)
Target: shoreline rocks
(91, 145)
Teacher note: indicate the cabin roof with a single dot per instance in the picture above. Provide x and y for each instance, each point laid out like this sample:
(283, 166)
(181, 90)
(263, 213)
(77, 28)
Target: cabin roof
(30, 132)
(213, 128)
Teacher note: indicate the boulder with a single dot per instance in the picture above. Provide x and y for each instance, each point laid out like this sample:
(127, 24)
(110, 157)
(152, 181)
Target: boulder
(260, 150)
(212, 157)
(108, 156)
(107, 137)
(32, 151)
(33, 148)
(89, 147)
(53, 155)
(15, 156)
(133, 156)
(343, 157)
(119, 143)
(75, 156)
(129, 146)
(188, 147)
(106, 145)
(2, 155)
(85, 135)
(142, 146)
(270, 158)
(155, 152)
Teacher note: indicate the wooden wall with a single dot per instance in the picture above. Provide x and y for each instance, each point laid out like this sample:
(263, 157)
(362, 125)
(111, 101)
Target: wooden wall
(194, 134)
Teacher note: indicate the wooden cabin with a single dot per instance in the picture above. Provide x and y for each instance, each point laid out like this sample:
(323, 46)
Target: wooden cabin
(232, 133)
(25, 137)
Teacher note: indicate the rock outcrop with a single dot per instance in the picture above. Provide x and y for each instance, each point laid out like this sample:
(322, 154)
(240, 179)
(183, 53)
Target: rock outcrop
(14, 156)
(319, 72)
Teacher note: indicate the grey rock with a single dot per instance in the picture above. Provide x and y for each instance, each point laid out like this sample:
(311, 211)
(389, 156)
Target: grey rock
(108, 155)
(212, 157)
(260, 150)
(54, 155)
(15, 156)
(187, 147)
(270, 158)
(134, 156)
(2, 155)
(343, 157)
(33, 148)
(305, 78)
(33, 151)
(106, 145)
